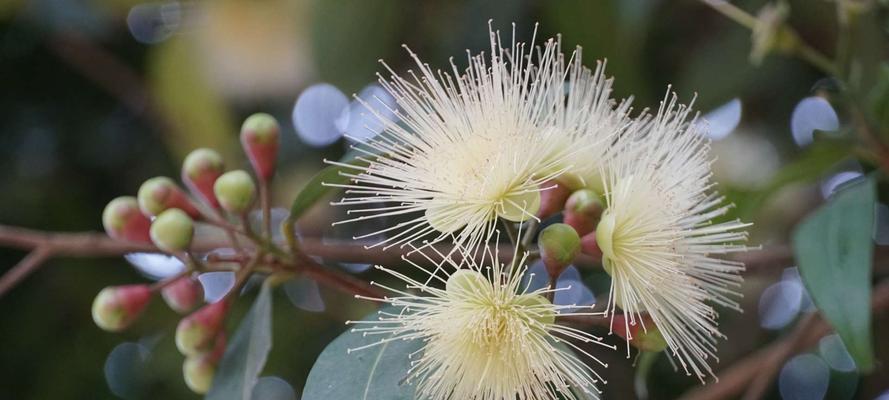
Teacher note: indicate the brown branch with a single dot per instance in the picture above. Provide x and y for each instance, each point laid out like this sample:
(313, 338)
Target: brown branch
(24, 268)
(748, 372)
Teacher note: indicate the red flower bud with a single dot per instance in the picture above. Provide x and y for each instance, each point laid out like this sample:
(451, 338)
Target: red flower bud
(647, 338)
(552, 200)
(160, 193)
(183, 294)
(200, 170)
(195, 333)
(259, 138)
(123, 220)
(116, 307)
(583, 210)
(590, 247)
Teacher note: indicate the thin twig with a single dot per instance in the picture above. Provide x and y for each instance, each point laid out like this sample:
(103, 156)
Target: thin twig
(24, 268)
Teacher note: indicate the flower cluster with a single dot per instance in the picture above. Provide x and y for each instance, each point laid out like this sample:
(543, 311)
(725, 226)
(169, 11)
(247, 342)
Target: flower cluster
(520, 135)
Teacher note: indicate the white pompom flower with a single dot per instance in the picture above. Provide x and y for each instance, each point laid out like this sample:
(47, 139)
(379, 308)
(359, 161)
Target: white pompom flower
(485, 336)
(471, 147)
(659, 242)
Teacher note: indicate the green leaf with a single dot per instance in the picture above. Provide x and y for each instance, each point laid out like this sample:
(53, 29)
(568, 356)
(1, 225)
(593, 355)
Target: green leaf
(316, 188)
(834, 250)
(246, 353)
(376, 373)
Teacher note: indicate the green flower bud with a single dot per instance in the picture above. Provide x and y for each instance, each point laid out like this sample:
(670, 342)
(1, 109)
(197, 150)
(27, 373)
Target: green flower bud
(582, 211)
(172, 230)
(235, 191)
(538, 307)
(198, 371)
(200, 170)
(466, 281)
(259, 138)
(123, 220)
(519, 207)
(160, 193)
(183, 294)
(195, 333)
(559, 245)
(116, 307)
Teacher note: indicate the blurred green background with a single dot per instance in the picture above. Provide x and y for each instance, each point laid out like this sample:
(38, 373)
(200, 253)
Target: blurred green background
(99, 95)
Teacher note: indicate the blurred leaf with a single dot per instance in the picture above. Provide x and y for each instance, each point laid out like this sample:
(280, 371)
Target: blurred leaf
(316, 188)
(273, 388)
(878, 101)
(367, 28)
(126, 368)
(247, 352)
(304, 293)
(833, 247)
(376, 373)
(644, 362)
(816, 160)
(198, 115)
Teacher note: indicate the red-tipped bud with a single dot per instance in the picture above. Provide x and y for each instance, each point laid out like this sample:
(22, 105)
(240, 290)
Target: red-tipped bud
(195, 333)
(123, 220)
(552, 199)
(259, 137)
(172, 230)
(116, 307)
(590, 246)
(199, 172)
(160, 193)
(582, 211)
(559, 245)
(647, 338)
(235, 191)
(183, 294)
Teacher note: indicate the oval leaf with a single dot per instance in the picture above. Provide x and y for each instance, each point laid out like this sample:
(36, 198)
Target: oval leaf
(376, 373)
(834, 250)
(247, 352)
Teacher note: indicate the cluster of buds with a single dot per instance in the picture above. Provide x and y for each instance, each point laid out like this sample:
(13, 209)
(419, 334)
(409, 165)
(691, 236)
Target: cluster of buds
(165, 215)
(561, 243)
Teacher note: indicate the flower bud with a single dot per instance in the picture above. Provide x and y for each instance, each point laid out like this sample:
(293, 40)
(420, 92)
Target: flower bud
(582, 211)
(559, 245)
(235, 191)
(161, 193)
(172, 230)
(552, 199)
(116, 307)
(259, 138)
(200, 170)
(123, 220)
(539, 308)
(466, 281)
(183, 294)
(590, 247)
(195, 333)
(648, 338)
(198, 371)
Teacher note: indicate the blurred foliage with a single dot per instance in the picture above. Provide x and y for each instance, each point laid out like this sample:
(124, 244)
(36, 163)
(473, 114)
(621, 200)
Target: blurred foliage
(68, 143)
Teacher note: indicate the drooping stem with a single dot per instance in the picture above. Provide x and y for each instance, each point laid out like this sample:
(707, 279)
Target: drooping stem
(264, 196)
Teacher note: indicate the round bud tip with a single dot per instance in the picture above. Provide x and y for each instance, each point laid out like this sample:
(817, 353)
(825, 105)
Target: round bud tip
(590, 246)
(116, 307)
(582, 210)
(123, 220)
(200, 170)
(195, 333)
(559, 244)
(466, 281)
(552, 198)
(183, 294)
(259, 137)
(198, 371)
(160, 193)
(518, 207)
(538, 308)
(235, 191)
(172, 230)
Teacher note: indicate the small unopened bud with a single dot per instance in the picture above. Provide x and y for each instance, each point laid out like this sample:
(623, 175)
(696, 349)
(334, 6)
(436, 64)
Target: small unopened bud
(552, 198)
(172, 230)
(582, 211)
(123, 220)
(559, 245)
(539, 308)
(647, 338)
(195, 333)
(183, 294)
(235, 191)
(259, 137)
(590, 246)
(160, 193)
(198, 371)
(116, 307)
(466, 281)
(200, 170)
